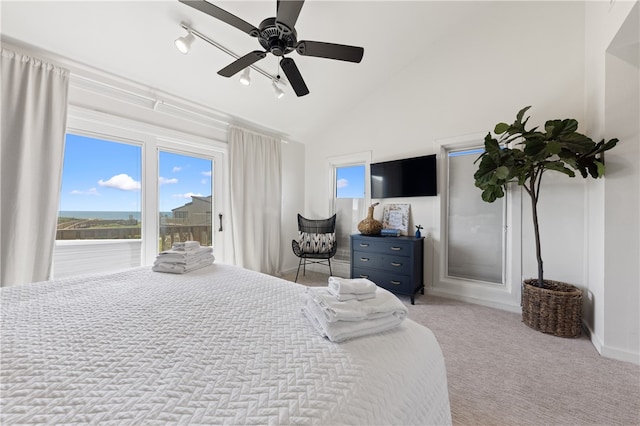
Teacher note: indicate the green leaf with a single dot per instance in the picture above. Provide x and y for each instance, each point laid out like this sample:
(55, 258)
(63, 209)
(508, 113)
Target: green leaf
(501, 128)
(535, 148)
(559, 167)
(577, 143)
(553, 148)
(502, 172)
(492, 193)
(491, 146)
(521, 114)
(601, 168)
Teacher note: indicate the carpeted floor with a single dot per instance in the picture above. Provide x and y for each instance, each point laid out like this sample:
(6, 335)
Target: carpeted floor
(501, 372)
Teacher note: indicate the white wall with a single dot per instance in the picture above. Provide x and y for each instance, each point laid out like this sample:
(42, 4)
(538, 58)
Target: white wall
(512, 54)
(613, 208)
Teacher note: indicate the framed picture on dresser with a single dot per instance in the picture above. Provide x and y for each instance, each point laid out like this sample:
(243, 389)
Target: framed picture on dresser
(396, 216)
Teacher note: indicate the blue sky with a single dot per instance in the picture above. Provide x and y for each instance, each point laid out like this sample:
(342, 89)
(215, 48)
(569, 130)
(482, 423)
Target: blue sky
(182, 176)
(350, 182)
(101, 175)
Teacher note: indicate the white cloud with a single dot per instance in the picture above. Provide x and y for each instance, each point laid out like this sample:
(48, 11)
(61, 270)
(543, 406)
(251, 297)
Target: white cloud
(206, 173)
(165, 181)
(91, 191)
(204, 181)
(122, 181)
(187, 195)
(342, 183)
(176, 169)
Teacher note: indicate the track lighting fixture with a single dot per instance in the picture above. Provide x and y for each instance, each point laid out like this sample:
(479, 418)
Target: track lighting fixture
(184, 43)
(278, 90)
(245, 78)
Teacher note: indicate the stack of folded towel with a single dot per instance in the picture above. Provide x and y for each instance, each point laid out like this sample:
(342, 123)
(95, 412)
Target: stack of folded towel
(183, 257)
(367, 309)
(348, 289)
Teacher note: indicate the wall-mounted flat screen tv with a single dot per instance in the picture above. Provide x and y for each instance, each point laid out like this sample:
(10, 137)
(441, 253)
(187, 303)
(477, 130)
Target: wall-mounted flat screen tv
(408, 177)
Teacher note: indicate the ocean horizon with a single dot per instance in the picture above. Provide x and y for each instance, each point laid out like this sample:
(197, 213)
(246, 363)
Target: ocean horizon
(106, 215)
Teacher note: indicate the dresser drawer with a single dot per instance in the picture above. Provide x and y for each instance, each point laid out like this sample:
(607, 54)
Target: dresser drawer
(389, 263)
(393, 282)
(382, 245)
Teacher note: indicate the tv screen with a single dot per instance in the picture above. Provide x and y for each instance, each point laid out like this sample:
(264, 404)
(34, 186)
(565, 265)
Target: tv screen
(409, 177)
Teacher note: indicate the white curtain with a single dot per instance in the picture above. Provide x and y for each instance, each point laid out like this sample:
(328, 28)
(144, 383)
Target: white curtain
(34, 114)
(256, 194)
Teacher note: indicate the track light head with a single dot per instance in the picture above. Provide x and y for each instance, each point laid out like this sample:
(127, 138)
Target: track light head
(184, 43)
(245, 78)
(278, 90)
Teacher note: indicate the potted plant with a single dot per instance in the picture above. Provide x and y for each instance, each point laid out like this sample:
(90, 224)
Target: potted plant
(522, 156)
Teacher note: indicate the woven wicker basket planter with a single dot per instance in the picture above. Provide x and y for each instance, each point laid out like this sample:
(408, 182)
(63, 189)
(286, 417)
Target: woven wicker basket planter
(555, 308)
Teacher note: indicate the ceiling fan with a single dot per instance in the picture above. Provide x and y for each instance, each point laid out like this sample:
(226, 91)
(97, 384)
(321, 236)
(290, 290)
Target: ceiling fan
(278, 36)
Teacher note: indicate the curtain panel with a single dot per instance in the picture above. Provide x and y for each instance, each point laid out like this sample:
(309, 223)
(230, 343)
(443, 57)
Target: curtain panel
(33, 120)
(256, 193)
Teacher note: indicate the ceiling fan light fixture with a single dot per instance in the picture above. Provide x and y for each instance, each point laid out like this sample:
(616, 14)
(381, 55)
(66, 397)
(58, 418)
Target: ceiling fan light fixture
(245, 78)
(278, 90)
(184, 43)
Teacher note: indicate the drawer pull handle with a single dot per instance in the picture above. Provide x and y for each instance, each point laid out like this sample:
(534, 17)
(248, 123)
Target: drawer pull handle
(396, 264)
(364, 245)
(396, 248)
(364, 276)
(364, 259)
(395, 282)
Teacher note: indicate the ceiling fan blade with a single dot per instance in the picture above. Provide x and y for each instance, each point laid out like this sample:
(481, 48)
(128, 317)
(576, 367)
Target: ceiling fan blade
(222, 15)
(320, 49)
(241, 63)
(293, 75)
(288, 12)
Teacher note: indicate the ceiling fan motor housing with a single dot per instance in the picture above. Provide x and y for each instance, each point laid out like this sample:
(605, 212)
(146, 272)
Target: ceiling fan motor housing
(276, 37)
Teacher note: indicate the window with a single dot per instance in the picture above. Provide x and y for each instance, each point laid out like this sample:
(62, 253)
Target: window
(185, 199)
(349, 197)
(100, 196)
(130, 176)
(475, 229)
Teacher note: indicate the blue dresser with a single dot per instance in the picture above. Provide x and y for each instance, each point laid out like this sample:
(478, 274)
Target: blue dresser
(393, 263)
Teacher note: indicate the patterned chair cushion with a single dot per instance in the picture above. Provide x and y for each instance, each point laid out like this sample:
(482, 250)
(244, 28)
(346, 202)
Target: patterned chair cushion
(316, 243)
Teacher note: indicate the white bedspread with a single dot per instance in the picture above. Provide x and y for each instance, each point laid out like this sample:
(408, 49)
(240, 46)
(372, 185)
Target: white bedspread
(220, 345)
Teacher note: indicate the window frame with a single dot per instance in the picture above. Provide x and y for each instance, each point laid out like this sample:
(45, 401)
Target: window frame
(151, 138)
(505, 296)
(447, 210)
(353, 159)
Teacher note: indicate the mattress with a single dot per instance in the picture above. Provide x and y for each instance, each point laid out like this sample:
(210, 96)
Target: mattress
(220, 345)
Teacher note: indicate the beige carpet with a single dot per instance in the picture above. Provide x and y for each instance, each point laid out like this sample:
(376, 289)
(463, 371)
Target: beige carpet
(501, 372)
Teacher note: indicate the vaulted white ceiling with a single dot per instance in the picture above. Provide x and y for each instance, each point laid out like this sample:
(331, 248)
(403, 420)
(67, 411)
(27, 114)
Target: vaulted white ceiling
(135, 40)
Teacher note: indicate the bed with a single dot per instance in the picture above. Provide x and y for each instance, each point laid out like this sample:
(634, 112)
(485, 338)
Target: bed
(220, 345)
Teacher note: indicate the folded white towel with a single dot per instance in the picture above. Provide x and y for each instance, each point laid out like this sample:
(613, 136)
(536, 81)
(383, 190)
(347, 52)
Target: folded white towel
(189, 260)
(180, 268)
(340, 331)
(351, 285)
(181, 255)
(384, 304)
(185, 245)
(351, 296)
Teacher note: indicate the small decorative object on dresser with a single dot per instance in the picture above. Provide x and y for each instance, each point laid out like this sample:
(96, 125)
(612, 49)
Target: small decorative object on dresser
(369, 225)
(418, 228)
(393, 263)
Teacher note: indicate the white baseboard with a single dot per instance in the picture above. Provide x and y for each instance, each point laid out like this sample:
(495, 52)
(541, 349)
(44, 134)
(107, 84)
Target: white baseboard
(610, 352)
(475, 301)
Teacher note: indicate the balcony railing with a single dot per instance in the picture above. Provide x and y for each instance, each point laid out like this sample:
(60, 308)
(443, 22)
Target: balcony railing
(168, 234)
